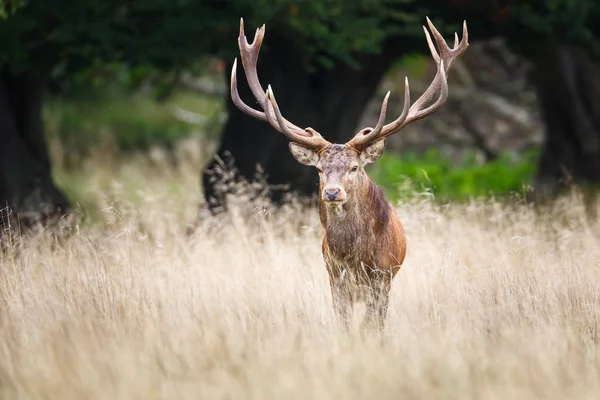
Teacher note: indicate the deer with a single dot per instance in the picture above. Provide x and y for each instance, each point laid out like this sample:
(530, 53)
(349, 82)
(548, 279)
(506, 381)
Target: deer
(364, 242)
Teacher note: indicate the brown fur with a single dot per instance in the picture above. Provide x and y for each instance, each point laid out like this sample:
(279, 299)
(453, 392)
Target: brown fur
(364, 243)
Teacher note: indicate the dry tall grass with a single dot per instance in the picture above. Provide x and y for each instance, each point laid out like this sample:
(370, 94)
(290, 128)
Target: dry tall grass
(492, 302)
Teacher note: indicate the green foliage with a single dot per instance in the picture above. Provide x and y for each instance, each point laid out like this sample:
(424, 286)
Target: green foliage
(75, 35)
(437, 175)
(9, 7)
(330, 28)
(127, 122)
(173, 33)
(571, 20)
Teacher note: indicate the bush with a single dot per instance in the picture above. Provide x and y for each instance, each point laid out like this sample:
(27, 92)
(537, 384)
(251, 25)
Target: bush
(437, 175)
(129, 122)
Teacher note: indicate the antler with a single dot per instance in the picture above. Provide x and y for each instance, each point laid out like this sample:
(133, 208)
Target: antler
(417, 111)
(249, 53)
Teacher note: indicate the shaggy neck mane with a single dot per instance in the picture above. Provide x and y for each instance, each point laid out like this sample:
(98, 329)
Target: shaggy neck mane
(353, 231)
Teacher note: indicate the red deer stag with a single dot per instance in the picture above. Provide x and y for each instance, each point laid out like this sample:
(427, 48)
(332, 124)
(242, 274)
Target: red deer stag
(364, 244)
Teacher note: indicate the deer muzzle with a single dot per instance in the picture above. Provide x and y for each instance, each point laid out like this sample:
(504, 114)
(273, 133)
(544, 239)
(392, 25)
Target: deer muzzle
(334, 194)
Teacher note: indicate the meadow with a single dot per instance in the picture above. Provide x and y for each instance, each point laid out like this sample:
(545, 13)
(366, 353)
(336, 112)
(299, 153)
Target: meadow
(494, 300)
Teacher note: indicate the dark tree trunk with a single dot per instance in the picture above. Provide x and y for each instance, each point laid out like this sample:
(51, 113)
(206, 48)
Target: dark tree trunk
(330, 101)
(568, 86)
(27, 192)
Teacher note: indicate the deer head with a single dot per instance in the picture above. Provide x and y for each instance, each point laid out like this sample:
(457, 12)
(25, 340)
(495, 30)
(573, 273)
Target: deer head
(341, 166)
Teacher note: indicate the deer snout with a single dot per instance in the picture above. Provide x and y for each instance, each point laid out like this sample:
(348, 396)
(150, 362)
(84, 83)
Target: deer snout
(334, 193)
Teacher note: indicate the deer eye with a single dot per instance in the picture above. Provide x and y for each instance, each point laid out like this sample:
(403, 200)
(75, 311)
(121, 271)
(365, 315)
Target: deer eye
(354, 169)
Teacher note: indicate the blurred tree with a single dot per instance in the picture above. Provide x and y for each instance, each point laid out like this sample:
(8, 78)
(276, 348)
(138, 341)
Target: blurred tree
(323, 71)
(562, 39)
(44, 39)
(567, 77)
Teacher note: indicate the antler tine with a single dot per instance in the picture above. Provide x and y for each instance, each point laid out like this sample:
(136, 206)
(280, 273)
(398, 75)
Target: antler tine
(367, 134)
(314, 139)
(249, 54)
(443, 60)
(446, 53)
(237, 100)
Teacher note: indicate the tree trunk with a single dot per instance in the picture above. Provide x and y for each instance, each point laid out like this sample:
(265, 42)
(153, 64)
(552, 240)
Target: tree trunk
(330, 101)
(568, 85)
(27, 192)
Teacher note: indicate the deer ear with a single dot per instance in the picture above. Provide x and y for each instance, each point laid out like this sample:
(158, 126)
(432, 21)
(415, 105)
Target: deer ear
(304, 155)
(373, 152)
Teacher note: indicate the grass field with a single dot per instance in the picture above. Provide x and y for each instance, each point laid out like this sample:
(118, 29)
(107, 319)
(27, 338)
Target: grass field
(493, 302)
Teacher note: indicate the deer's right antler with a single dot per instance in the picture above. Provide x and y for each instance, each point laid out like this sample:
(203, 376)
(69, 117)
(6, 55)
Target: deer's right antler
(249, 53)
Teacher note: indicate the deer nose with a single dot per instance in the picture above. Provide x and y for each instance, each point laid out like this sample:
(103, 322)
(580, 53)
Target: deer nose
(332, 194)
